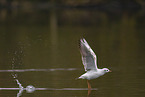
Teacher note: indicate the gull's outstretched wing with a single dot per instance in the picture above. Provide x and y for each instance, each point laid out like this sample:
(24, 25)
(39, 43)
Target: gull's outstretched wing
(88, 56)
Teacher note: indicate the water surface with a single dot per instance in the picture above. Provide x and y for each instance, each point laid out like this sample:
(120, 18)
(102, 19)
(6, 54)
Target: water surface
(41, 47)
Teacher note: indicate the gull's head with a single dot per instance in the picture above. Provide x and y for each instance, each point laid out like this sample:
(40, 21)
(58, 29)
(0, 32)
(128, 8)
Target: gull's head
(106, 70)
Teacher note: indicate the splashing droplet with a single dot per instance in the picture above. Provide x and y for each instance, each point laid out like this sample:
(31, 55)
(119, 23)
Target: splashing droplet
(30, 89)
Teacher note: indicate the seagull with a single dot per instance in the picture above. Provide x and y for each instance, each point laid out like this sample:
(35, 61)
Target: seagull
(89, 61)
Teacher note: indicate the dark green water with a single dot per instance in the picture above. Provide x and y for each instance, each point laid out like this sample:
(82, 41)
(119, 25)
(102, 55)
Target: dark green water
(48, 39)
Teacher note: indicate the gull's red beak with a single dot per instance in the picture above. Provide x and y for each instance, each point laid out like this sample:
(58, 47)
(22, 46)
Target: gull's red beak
(110, 71)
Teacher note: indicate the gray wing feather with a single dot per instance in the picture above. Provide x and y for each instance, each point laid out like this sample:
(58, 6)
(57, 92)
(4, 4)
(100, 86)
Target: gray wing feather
(88, 56)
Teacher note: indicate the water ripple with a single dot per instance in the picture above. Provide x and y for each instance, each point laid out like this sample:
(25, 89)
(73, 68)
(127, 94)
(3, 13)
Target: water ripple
(69, 89)
(44, 70)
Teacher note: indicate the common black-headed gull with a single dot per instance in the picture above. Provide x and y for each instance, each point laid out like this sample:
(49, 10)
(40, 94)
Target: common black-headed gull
(90, 63)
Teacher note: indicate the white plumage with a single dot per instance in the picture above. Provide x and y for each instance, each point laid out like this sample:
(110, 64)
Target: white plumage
(89, 60)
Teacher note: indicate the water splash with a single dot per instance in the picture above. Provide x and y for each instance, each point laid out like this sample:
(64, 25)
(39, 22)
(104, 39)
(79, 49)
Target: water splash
(30, 89)
(21, 88)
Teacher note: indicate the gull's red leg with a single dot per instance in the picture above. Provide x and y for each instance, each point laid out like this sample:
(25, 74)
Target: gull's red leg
(89, 86)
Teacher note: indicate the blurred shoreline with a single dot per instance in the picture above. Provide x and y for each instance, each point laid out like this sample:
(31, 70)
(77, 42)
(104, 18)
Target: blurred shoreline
(89, 4)
(74, 12)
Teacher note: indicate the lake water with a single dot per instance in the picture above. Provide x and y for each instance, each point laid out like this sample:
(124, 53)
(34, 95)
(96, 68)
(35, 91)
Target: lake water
(40, 47)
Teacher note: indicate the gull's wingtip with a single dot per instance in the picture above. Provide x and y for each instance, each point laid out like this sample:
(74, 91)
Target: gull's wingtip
(82, 40)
